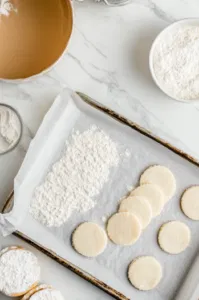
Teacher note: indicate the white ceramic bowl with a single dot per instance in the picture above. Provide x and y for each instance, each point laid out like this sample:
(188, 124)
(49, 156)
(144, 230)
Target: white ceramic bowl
(170, 28)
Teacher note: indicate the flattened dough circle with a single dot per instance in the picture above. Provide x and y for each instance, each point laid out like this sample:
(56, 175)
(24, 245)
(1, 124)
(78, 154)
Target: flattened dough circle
(89, 239)
(124, 228)
(190, 203)
(174, 237)
(140, 207)
(161, 176)
(145, 273)
(153, 194)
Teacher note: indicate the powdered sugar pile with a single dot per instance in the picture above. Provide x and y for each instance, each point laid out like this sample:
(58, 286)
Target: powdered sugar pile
(76, 178)
(47, 294)
(19, 270)
(176, 62)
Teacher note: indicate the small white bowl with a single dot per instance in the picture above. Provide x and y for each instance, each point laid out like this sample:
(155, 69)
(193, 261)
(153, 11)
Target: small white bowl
(188, 21)
(18, 117)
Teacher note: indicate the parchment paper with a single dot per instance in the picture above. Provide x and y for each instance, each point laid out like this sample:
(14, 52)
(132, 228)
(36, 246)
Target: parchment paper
(71, 113)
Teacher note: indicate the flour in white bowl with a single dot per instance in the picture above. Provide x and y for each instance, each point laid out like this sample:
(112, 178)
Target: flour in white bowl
(19, 271)
(176, 62)
(10, 128)
(76, 179)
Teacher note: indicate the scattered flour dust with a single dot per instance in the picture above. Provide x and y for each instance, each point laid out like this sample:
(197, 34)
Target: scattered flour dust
(76, 178)
(19, 270)
(176, 62)
(47, 294)
(104, 219)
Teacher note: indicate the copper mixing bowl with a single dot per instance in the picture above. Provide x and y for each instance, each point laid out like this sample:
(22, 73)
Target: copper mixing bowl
(33, 36)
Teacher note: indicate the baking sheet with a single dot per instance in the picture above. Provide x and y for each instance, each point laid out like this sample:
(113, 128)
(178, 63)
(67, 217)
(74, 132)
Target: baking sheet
(111, 266)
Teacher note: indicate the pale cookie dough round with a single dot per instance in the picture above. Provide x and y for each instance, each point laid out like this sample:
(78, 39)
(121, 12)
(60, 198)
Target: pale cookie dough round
(123, 228)
(89, 239)
(43, 292)
(174, 237)
(153, 194)
(161, 176)
(145, 273)
(140, 207)
(19, 271)
(190, 203)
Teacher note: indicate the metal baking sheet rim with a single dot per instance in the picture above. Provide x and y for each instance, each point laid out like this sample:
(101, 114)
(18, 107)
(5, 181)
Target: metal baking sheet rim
(103, 286)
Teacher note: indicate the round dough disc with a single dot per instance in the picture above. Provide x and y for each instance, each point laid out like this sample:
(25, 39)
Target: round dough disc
(153, 194)
(161, 176)
(190, 203)
(174, 237)
(89, 239)
(145, 273)
(140, 207)
(124, 228)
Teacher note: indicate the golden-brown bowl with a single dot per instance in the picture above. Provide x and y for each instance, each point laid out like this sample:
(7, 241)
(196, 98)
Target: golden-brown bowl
(33, 37)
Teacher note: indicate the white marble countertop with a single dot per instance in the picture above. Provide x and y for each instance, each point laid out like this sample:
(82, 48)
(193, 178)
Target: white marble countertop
(107, 58)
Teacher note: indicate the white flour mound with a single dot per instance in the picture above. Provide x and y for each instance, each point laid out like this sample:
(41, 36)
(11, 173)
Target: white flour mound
(176, 62)
(10, 128)
(47, 294)
(19, 270)
(76, 178)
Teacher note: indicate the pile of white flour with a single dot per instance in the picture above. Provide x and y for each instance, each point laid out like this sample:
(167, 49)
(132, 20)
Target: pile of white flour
(10, 128)
(76, 178)
(19, 270)
(176, 62)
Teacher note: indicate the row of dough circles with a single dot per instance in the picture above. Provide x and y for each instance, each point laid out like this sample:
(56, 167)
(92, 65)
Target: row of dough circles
(157, 186)
(20, 276)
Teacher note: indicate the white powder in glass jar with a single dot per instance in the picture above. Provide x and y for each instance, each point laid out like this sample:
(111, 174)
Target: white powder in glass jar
(176, 61)
(10, 128)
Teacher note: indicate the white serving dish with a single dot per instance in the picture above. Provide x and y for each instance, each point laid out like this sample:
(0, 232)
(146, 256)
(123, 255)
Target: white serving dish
(188, 21)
